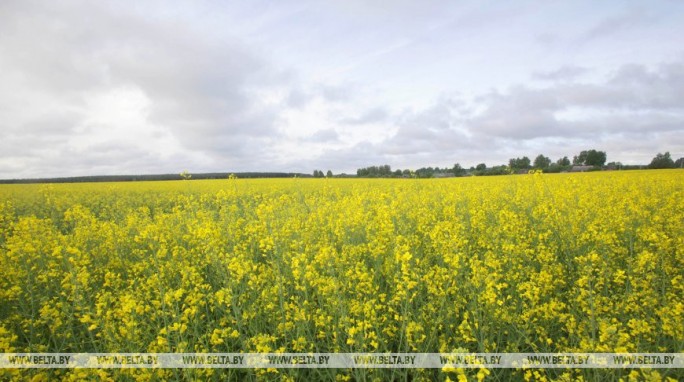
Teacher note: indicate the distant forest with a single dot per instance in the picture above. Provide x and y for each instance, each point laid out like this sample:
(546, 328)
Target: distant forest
(589, 160)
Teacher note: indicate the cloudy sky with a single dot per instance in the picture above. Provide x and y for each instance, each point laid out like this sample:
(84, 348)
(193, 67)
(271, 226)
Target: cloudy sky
(136, 87)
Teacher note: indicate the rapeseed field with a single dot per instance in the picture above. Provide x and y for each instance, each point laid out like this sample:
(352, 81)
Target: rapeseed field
(590, 262)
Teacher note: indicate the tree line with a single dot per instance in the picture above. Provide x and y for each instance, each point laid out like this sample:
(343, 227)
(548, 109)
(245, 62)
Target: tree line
(587, 160)
(591, 160)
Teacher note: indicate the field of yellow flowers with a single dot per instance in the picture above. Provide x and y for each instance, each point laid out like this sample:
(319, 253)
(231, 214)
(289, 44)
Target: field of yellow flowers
(590, 262)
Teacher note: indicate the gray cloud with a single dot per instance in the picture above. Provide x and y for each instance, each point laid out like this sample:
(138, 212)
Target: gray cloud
(632, 99)
(423, 138)
(373, 115)
(326, 135)
(298, 99)
(547, 39)
(635, 113)
(348, 159)
(617, 24)
(568, 73)
(335, 93)
(435, 129)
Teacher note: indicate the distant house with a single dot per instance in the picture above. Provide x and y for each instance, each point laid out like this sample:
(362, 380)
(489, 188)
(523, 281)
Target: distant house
(581, 168)
(442, 175)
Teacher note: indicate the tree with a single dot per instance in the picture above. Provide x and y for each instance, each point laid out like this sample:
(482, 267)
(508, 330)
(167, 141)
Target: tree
(458, 170)
(614, 165)
(590, 158)
(542, 162)
(679, 163)
(375, 171)
(481, 167)
(318, 174)
(564, 161)
(524, 162)
(425, 172)
(519, 163)
(554, 168)
(578, 160)
(662, 161)
(497, 170)
(596, 158)
(329, 174)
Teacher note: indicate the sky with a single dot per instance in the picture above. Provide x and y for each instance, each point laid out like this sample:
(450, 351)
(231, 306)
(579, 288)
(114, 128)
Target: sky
(147, 87)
